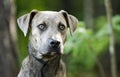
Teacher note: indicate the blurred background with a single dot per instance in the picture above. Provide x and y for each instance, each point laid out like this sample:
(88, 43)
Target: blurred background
(86, 53)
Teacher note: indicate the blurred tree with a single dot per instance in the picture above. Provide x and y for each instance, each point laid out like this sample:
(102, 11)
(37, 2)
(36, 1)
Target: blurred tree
(8, 57)
(88, 13)
(112, 38)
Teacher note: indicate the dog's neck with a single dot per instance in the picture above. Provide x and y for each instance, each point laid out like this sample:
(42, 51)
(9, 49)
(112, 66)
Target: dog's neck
(46, 69)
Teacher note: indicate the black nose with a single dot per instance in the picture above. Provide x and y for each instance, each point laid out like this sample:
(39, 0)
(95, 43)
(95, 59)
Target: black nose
(54, 43)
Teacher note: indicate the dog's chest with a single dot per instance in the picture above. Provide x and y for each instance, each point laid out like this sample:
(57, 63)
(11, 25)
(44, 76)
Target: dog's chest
(49, 69)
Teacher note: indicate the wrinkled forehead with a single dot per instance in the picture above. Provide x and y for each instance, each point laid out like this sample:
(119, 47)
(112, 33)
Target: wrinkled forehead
(49, 16)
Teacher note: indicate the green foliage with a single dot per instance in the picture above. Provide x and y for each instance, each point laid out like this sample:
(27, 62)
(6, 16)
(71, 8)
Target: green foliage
(116, 27)
(84, 46)
(100, 22)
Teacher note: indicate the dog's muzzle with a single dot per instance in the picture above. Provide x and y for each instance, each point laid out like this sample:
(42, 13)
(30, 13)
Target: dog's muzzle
(53, 48)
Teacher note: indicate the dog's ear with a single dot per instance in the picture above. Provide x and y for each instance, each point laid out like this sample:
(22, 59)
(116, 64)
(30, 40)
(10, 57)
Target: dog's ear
(70, 20)
(25, 21)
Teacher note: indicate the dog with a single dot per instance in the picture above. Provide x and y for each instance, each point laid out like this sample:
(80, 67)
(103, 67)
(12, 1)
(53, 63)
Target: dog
(46, 42)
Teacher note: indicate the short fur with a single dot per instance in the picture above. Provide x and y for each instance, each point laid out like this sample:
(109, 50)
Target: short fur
(44, 60)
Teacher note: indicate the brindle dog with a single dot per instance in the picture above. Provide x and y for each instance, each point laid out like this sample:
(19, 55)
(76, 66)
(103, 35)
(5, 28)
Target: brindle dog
(47, 37)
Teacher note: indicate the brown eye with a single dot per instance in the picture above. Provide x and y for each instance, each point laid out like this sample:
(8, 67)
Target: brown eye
(61, 27)
(42, 27)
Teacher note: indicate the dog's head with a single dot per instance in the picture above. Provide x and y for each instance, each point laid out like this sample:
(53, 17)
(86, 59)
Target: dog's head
(47, 31)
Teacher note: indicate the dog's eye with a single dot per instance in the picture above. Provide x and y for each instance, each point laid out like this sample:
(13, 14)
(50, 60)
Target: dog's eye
(61, 27)
(42, 27)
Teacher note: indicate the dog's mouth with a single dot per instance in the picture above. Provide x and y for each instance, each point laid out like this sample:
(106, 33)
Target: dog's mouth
(52, 52)
(51, 55)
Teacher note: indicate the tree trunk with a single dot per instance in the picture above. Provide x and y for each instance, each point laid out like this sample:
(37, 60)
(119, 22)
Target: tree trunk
(112, 39)
(88, 13)
(8, 57)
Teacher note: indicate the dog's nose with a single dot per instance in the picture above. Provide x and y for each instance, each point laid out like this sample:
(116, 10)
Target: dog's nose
(54, 43)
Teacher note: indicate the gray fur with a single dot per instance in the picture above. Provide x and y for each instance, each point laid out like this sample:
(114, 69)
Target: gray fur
(39, 45)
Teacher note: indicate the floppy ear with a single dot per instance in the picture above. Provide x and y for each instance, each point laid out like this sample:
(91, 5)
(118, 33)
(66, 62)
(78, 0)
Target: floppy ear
(25, 21)
(70, 20)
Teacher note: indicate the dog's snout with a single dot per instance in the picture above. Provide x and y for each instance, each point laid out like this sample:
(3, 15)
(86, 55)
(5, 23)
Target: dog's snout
(54, 43)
